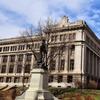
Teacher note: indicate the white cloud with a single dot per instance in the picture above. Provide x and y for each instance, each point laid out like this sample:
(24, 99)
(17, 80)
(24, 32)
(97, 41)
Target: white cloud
(7, 31)
(34, 10)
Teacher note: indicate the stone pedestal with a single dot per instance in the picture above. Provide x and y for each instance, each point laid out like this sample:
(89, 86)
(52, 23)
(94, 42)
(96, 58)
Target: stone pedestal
(38, 86)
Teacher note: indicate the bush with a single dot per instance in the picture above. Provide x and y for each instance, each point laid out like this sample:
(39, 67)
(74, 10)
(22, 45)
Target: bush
(92, 85)
(78, 84)
(59, 91)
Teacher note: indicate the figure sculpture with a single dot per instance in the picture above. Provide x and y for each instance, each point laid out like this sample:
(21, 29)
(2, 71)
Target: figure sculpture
(41, 59)
(43, 55)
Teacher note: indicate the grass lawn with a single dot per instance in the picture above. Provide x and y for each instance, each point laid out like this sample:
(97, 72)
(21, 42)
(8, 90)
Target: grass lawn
(97, 97)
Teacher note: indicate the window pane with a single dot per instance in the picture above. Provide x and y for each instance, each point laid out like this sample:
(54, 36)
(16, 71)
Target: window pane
(19, 68)
(12, 58)
(62, 64)
(20, 57)
(0, 49)
(69, 78)
(16, 79)
(8, 79)
(52, 65)
(50, 78)
(3, 69)
(28, 57)
(1, 79)
(4, 58)
(60, 79)
(11, 68)
(71, 64)
(27, 68)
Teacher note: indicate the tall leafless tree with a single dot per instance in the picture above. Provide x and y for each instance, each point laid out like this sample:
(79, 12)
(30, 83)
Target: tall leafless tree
(44, 31)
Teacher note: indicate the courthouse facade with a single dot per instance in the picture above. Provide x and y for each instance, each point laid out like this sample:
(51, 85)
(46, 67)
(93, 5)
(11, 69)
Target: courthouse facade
(74, 53)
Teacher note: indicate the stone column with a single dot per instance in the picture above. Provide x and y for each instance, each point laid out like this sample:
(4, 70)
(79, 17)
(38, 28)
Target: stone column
(93, 64)
(65, 78)
(0, 63)
(96, 67)
(57, 63)
(4, 80)
(89, 63)
(66, 60)
(23, 64)
(12, 79)
(32, 61)
(7, 68)
(15, 65)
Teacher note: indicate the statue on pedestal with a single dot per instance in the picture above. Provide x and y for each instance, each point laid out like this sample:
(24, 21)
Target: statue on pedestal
(43, 55)
(41, 62)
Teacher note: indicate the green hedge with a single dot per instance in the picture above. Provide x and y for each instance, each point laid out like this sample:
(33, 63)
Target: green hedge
(59, 91)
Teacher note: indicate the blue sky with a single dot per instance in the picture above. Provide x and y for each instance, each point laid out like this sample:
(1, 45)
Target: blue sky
(17, 15)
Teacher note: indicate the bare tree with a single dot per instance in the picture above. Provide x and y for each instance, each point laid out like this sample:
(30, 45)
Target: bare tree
(44, 32)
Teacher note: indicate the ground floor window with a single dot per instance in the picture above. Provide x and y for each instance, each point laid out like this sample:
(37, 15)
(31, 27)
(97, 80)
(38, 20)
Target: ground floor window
(51, 78)
(16, 79)
(1, 79)
(8, 79)
(69, 78)
(26, 79)
(60, 78)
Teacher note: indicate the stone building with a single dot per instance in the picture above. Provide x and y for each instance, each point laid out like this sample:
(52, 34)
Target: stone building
(74, 51)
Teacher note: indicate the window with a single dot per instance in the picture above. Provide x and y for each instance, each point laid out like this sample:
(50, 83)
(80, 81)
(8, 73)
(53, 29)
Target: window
(36, 45)
(28, 57)
(60, 79)
(20, 57)
(13, 48)
(29, 46)
(26, 79)
(53, 38)
(21, 47)
(19, 68)
(16, 79)
(69, 78)
(0, 49)
(11, 68)
(62, 37)
(27, 68)
(4, 58)
(71, 64)
(5, 48)
(12, 58)
(62, 64)
(53, 51)
(72, 50)
(3, 69)
(67, 37)
(72, 36)
(1, 79)
(52, 64)
(51, 78)
(8, 79)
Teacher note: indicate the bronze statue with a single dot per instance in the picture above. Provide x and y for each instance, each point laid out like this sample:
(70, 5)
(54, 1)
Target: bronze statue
(43, 55)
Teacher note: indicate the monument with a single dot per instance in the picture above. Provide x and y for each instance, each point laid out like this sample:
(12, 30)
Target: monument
(38, 89)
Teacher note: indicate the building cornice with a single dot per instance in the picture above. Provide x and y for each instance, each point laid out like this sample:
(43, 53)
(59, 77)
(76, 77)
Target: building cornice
(18, 40)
